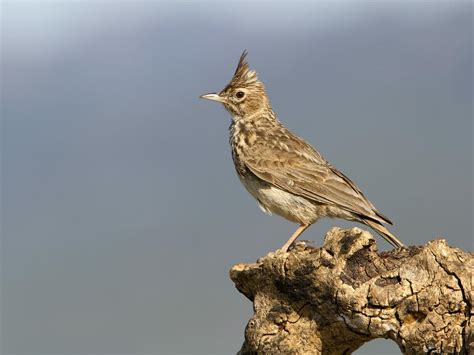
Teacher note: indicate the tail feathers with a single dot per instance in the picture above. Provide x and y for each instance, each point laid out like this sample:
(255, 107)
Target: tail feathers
(385, 218)
(380, 229)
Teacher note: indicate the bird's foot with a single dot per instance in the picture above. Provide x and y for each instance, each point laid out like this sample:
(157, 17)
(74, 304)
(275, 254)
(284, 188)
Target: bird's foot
(293, 245)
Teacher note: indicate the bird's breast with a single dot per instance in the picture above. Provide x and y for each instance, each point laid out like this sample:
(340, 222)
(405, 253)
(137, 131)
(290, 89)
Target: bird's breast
(242, 137)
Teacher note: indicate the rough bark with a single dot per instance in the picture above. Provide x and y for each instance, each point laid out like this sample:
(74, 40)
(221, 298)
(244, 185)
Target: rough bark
(333, 299)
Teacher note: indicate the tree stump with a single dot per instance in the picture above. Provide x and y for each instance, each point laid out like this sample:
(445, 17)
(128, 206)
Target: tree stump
(333, 299)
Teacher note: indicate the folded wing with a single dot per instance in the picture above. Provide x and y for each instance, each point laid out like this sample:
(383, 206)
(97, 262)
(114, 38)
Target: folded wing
(294, 166)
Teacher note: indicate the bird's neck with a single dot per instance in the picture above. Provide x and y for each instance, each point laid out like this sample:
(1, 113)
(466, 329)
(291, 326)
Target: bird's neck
(263, 116)
(246, 130)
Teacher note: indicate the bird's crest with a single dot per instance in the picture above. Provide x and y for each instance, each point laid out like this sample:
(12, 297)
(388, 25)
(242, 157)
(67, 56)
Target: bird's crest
(243, 76)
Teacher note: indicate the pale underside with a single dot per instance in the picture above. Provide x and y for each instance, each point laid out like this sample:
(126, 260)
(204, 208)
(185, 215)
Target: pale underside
(273, 200)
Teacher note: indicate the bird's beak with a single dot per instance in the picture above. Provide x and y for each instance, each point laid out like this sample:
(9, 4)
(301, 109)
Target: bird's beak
(213, 97)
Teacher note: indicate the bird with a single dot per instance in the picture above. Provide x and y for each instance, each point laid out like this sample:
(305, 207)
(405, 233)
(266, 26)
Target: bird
(284, 173)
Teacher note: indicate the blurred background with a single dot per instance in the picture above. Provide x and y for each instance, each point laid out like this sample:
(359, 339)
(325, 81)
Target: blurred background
(121, 210)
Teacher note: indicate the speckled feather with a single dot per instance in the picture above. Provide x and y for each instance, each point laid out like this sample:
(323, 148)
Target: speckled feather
(284, 173)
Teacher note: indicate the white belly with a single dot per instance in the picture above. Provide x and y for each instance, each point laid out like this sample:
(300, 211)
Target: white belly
(292, 207)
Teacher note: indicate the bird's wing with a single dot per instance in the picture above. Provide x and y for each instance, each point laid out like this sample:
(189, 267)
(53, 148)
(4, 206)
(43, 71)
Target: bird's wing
(294, 166)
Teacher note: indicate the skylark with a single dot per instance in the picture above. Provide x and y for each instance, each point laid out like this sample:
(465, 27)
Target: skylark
(285, 174)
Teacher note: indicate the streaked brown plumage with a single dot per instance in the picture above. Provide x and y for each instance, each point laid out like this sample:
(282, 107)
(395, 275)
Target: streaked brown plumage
(285, 174)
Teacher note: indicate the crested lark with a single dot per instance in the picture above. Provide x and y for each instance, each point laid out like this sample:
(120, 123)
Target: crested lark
(286, 175)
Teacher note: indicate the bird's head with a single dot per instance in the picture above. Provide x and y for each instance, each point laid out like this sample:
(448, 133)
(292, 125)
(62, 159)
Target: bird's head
(245, 94)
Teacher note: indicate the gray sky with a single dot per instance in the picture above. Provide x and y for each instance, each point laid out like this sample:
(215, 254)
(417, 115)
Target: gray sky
(121, 210)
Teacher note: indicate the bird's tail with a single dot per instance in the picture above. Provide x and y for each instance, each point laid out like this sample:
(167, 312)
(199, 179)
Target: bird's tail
(380, 229)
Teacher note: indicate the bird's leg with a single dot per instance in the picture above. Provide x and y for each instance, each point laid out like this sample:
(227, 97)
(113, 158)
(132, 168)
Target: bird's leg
(295, 235)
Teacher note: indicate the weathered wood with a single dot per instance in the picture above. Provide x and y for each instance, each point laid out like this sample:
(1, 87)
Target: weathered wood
(333, 299)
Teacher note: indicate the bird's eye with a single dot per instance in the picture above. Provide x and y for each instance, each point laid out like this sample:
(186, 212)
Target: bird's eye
(239, 94)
